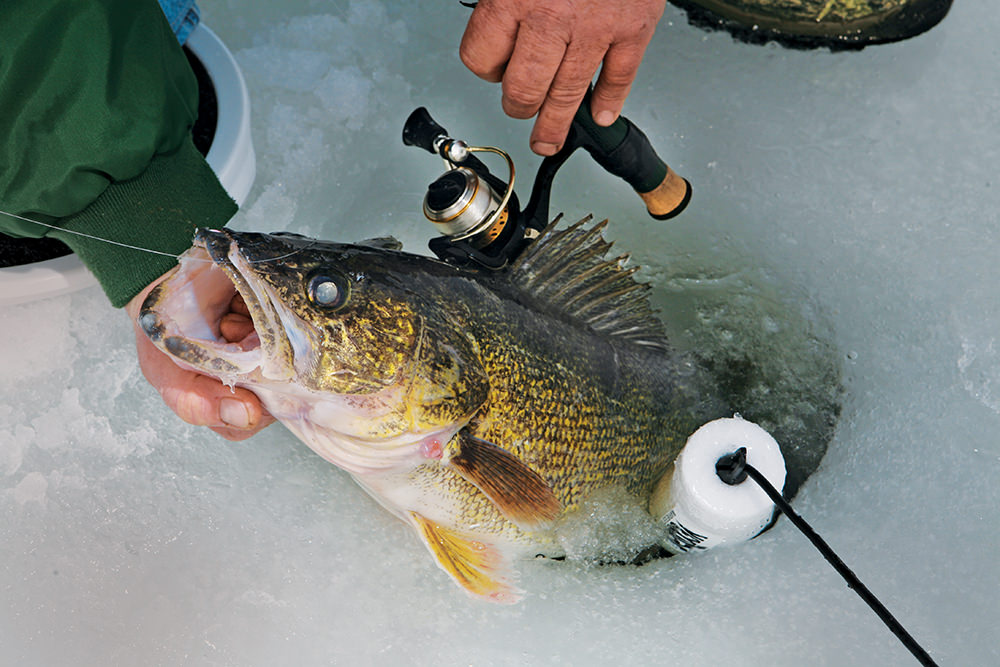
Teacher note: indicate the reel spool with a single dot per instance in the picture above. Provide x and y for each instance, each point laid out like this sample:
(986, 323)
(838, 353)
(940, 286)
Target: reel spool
(477, 214)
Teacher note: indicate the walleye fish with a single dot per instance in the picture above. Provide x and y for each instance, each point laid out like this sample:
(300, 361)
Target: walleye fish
(481, 407)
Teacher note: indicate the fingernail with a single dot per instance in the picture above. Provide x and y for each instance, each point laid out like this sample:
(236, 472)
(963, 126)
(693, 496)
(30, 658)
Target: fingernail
(543, 148)
(234, 413)
(604, 118)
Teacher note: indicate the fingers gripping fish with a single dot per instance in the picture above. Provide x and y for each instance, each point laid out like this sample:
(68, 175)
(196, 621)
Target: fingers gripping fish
(481, 407)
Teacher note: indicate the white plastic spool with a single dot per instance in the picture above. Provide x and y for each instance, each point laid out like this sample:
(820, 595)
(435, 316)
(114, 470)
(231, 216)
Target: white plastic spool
(231, 157)
(698, 509)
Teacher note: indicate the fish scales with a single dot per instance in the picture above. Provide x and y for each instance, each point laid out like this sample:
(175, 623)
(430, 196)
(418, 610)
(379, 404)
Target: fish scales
(584, 413)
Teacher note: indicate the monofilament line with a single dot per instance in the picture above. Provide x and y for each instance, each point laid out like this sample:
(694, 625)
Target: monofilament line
(852, 580)
(149, 250)
(90, 236)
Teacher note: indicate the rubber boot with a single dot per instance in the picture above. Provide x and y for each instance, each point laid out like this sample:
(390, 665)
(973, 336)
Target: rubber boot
(836, 24)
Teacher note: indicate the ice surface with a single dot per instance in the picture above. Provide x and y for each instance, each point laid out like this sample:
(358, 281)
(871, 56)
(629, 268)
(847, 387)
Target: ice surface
(844, 204)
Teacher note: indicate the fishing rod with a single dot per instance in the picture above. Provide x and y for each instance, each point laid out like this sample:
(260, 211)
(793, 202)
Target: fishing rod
(479, 214)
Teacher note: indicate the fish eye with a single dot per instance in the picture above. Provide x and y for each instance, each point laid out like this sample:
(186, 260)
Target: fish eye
(328, 291)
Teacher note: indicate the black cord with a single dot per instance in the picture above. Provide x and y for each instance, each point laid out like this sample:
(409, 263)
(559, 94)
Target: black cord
(852, 580)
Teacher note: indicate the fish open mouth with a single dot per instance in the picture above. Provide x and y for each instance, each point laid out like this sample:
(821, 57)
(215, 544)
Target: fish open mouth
(184, 314)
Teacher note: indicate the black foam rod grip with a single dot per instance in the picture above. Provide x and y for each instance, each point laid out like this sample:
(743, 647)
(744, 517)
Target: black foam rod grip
(625, 151)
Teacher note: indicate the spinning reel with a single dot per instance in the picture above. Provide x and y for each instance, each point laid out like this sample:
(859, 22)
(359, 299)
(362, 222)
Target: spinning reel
(479, 215)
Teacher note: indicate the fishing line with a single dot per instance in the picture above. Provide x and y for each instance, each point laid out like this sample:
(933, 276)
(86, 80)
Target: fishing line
(90, 236)
(734, 469)
(150, 250)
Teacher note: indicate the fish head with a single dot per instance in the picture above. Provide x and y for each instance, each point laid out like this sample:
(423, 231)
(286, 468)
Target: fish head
(348, 339)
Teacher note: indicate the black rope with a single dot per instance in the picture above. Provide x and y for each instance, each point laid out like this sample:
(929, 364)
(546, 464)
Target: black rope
(732, 466)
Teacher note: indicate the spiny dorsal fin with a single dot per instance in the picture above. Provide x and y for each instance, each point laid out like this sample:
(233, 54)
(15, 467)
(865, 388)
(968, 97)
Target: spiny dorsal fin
(382, 243)
(568, 269)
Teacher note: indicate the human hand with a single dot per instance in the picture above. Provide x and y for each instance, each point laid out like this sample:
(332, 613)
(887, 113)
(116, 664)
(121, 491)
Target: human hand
(546, 53)
(199, 399)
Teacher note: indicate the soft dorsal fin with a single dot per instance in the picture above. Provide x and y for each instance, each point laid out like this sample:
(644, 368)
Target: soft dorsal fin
(568, 269)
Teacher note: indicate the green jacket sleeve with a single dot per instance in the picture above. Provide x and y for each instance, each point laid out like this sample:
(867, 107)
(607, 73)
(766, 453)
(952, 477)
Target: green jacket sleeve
(97, 101)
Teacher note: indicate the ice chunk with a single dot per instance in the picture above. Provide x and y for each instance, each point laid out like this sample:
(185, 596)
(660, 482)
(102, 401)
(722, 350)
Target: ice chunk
(31, 489)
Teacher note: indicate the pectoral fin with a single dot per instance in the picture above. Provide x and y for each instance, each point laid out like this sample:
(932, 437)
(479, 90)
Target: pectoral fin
(520, 493)
(478, 567)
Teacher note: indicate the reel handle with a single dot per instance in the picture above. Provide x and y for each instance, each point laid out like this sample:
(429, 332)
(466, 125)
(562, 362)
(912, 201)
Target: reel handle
(422, 131)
